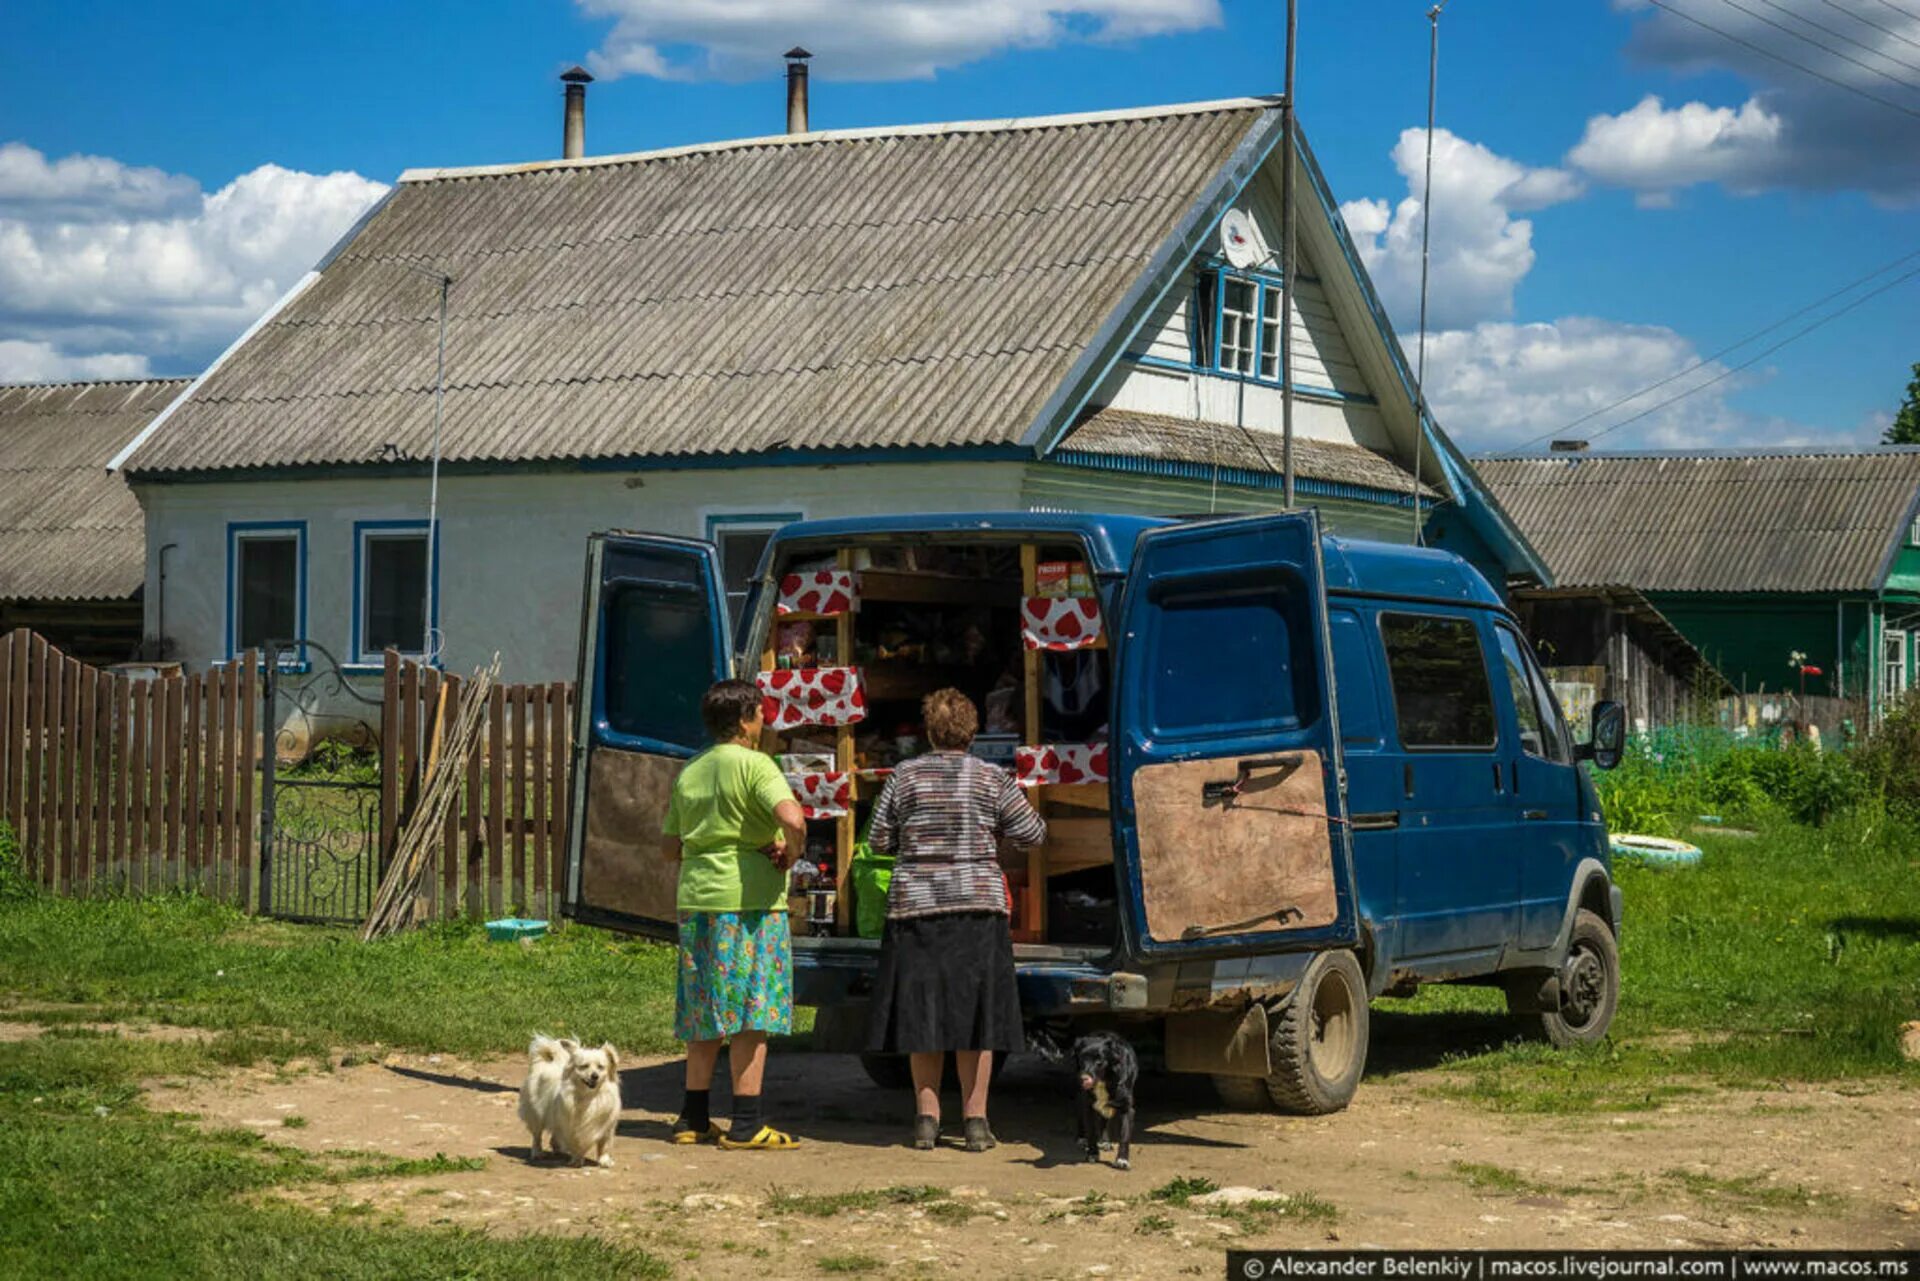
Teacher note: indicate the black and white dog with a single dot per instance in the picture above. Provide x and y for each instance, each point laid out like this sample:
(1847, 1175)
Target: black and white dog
(1108, 1069)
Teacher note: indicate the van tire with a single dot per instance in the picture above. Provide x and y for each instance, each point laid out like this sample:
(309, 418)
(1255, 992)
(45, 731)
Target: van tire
(1589, 988)
(1317, 1043)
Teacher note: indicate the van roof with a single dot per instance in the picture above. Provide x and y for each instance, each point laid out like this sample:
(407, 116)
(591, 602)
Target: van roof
(1353, 566)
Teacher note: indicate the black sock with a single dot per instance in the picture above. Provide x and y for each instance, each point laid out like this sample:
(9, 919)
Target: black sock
(694, 1113)
(746, 1117)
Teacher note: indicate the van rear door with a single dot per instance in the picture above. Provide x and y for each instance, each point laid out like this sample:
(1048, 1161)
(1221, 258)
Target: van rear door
(1229, 812)
(653, 637)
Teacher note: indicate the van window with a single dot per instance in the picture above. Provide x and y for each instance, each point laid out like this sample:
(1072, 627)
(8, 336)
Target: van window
(1526, 710)
(1439, 674)
(1553, 726)
(659, 661)
(1353, 679)
(1228, 654)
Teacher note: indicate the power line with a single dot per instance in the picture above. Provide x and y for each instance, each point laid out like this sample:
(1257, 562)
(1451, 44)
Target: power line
(1842, 54)
(1841, 35)
(1865, 20)
(1905, 13)
(1703, 361)
(1768, 53)
(1761, 355)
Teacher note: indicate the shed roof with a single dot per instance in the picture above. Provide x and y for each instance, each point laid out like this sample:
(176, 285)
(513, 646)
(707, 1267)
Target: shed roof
(69, 528)
(1723, 521)
(925, 286)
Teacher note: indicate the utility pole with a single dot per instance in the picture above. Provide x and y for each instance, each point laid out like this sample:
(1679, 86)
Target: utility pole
(1426, 223)
(1287, 136)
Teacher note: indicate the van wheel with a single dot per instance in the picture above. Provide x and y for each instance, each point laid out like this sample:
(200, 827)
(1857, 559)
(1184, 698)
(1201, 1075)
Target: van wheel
(1318, 1044)
(1589, 988)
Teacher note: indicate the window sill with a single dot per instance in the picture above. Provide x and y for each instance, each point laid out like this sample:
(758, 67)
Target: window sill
(378, 667)
(286, 667)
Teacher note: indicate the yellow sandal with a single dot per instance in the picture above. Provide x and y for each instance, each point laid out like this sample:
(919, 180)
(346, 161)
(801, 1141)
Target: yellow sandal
(768, 1139)
(711, 1135)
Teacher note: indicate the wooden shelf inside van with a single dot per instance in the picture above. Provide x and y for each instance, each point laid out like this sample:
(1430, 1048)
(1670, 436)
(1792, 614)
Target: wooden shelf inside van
(919, 588)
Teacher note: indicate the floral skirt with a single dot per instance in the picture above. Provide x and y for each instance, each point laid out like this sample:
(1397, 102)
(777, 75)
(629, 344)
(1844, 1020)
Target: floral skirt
(736, 975)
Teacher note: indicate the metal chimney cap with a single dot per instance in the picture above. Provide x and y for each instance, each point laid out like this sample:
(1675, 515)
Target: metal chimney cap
(796, 54)
(576, 76)
(1568, 447)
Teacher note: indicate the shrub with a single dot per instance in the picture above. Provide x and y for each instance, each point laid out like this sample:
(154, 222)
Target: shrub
(1889, 759)
(15, 884)
(1669, 778)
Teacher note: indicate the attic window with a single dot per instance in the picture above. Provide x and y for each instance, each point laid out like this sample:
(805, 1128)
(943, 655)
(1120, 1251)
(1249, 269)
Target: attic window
(1237, 325)
(1237, 338)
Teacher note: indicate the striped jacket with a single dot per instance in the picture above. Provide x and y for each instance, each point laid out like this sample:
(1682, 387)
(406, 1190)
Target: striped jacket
(942, 816)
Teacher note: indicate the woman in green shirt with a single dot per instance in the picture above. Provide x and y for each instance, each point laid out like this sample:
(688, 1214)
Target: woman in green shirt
(735, 829)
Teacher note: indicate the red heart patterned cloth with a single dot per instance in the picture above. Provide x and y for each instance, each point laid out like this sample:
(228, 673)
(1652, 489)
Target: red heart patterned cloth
(827, 795)
(1059, 623)
(1060, 763)
(812, 696)
(818, 591)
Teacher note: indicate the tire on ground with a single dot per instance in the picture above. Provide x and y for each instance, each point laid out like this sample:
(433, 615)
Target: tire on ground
(1589, 988)
(1317, 1042)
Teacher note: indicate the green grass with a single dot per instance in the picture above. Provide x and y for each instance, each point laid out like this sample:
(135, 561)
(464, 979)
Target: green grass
(444, 988)
(824, 1205)
(1183, 1188)
(848, 1263)
(94, 1185)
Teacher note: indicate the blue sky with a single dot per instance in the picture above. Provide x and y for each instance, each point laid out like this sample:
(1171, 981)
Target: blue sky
(165, 170)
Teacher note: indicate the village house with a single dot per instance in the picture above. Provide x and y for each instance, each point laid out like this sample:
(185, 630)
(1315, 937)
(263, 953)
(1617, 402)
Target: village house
(1753, 556)
(712, 340)
(72, 538)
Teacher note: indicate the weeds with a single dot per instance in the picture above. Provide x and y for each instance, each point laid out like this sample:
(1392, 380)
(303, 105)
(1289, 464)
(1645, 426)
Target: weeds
(824, 1205)
(1179, 1191)
(848, 1263)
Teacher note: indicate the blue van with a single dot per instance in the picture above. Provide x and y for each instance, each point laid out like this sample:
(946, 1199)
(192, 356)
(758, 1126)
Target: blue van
(1333, 770)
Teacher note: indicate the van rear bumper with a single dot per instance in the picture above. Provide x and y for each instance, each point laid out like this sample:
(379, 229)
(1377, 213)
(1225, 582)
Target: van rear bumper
(841, 971)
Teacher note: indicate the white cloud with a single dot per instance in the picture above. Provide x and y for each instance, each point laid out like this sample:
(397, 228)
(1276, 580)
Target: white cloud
(1653, 150)
(869, 40)
(98, 258)
(1501, 385)
(1796, 130)
(1479, 251)
(23, 361)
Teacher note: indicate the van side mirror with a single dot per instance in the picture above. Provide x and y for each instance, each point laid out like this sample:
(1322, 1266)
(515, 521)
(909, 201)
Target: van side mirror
(1609, 735)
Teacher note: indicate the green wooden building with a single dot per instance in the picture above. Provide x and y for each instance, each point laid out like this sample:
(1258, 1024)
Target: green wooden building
(1754, 555)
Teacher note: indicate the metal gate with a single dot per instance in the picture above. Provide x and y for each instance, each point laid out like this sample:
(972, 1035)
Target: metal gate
(320, 856)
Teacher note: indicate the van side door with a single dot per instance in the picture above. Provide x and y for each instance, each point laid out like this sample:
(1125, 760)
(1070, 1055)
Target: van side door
(1229, 815)
(1457, 871)
(1373, 772)
(1546, 795)
(653, 637)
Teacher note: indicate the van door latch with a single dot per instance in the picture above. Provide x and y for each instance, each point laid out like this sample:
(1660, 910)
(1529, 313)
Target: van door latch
(1224, 792)
(1279, 916)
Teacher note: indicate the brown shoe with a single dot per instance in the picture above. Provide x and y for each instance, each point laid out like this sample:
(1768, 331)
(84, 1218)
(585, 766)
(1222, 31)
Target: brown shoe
(979, 1135)
(926, 1133)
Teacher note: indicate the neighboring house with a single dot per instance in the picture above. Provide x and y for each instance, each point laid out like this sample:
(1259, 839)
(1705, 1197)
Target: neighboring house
(72, 542)
(1753, 555)
(712, 340)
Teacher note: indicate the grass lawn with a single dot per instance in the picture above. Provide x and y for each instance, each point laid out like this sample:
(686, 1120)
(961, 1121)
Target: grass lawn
(1789, 955)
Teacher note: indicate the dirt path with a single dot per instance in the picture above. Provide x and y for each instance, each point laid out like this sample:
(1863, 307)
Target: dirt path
(1400, 1167)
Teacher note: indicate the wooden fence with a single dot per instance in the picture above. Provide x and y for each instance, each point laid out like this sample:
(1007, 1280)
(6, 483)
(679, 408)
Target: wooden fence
(504, 845)
(117, 783)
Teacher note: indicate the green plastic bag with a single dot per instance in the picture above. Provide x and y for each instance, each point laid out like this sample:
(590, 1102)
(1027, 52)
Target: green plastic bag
(872, 875)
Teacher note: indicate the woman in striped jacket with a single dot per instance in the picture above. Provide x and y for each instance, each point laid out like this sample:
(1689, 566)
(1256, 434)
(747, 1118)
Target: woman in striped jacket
(946, 959)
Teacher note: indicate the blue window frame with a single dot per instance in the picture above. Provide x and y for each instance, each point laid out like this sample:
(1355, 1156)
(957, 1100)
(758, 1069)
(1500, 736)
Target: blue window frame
(392, 584)
(267, 587)
(1238, 329)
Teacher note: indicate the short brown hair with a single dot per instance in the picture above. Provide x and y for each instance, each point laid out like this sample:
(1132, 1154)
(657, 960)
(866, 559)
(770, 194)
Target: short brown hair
(952, 719)
(725, 707)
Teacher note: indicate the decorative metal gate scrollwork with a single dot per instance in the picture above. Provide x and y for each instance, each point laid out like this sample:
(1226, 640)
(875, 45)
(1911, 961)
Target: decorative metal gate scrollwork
(319, 831)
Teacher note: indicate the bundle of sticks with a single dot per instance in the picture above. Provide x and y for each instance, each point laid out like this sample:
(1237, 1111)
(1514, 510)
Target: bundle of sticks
(397, 904)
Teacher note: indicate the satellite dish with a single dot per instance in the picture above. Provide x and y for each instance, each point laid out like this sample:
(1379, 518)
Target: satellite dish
(1237, 240)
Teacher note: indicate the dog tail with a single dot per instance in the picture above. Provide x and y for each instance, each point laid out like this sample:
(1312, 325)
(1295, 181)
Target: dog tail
(544, 1049)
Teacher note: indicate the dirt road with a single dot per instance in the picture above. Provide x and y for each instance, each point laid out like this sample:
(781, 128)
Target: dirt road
(1798, 1167)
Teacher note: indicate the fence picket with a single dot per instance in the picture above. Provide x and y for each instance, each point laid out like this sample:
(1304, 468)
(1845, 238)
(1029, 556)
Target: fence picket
(103, 777)
(560, 774)
(537, 874)
(33, 801)
(249, 762)
(138, 696)
(68, 809)
(496, 796)
(409, 758)
(475, 861)
(389, 752)
(517, 701)
(229, 828)
(442, 889)
(9, 753)
(122, 779)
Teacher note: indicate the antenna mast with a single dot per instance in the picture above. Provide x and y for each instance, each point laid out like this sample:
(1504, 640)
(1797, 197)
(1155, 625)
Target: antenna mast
(1426, 223)
(1286, 272)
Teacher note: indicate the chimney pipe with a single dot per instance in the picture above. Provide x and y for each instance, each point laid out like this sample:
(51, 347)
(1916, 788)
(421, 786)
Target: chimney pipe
(797, 89)
(573, 138)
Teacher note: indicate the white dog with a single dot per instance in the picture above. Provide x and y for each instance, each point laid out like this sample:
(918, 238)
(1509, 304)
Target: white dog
(572, 1097)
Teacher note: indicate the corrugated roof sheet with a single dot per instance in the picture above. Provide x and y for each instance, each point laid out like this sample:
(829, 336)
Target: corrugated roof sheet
(1720, 522)
(1131, 433)
(70, 529)
(923, 287)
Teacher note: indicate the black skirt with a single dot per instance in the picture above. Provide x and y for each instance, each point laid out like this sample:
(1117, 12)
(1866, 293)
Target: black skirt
(945, 983)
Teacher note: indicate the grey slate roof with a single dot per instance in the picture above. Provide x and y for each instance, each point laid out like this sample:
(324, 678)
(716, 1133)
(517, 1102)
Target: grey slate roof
(914, 287)
(69, 528)
(1131, 433)
(1780, 521)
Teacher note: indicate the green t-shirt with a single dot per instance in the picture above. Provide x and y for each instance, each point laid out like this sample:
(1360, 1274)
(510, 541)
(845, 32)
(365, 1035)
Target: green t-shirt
(722, 811)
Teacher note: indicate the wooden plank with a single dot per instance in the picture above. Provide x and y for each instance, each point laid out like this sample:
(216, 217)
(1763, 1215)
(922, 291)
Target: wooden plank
(1076, 843)
(136, 757)
(156, 869)
(432, 727)
(474, 861)
(496, 795)
(173, 769)
(209, 851)
(441, 896)
(542, 855)
(559, 788)
(13, 802)
(194, 730)
(517, 702)
(389, 754)
(34, 779)
(229, 816)
(1033, 917)
(122, 860)
(85, 774)
(409, 738)
(249, 763)
(9, 752)
(69, 769)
